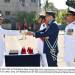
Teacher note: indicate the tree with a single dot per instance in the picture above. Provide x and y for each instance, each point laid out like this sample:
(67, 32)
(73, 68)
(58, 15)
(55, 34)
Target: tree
(30, 17)
(49, 6)
(60, 16)
(59, 13)
(46, 5)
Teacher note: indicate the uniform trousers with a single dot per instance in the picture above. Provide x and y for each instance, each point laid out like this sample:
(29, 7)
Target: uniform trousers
(43, 59)
(51, 62)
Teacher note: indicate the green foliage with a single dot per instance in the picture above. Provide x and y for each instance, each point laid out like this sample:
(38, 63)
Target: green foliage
(46, 5)
(49, 6)
(60, 16)
(30, 17)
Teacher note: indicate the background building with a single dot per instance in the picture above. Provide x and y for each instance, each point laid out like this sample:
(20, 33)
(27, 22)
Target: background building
(11, 7)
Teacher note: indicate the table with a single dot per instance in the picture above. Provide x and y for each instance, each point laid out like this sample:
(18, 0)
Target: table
(22, 60)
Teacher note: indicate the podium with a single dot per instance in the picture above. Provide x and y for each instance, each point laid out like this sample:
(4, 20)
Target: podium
(32, 60)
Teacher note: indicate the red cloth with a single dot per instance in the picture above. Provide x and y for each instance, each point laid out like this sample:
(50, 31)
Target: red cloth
(23, 51)
(30, 50)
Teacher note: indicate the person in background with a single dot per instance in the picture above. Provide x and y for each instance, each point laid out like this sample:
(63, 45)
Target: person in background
(69, 38)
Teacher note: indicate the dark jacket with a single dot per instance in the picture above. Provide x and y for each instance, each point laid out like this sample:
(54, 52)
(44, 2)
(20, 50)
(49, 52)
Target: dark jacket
(52, 33)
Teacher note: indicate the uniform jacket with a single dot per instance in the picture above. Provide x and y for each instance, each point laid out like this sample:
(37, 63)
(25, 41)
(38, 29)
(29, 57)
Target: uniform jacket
(2, 42)
(51, 32)
(69, 42)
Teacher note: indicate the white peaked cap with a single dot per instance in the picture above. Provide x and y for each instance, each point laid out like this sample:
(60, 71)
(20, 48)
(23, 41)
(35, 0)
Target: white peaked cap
(71, 9)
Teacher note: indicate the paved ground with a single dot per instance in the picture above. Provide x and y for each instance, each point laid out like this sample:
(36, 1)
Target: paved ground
(17, 42)
(61, 62)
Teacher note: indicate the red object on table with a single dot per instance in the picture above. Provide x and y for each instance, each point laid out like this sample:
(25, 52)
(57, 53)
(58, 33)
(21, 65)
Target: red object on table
(23, 51)
(30, 50)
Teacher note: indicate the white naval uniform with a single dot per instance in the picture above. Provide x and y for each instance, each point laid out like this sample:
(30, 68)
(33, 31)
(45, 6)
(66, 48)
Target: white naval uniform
(40, 41)
(69, 44)
(2, 43)
(40, 44)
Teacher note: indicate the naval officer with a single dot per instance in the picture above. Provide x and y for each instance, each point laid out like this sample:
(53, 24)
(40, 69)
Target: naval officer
(51, 37)
(40, 41)
(2, 40)
(69, 38)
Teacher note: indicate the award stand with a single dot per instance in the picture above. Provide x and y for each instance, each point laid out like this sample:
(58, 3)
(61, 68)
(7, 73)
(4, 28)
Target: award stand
(32, 60)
